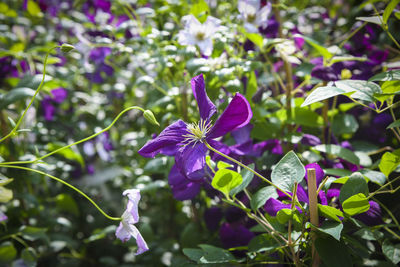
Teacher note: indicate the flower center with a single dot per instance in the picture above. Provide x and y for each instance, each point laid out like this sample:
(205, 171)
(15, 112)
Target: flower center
(196, 132)
(200, 36)
(251, 18)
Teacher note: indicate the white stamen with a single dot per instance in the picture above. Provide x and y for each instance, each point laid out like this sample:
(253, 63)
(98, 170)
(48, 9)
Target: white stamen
(196, 132)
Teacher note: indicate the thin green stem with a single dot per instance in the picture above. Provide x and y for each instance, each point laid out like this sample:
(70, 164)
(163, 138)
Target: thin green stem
(396, 222)
(14, 130)
(247, 168)
(67, 184)
(76, 143)
(382, 187)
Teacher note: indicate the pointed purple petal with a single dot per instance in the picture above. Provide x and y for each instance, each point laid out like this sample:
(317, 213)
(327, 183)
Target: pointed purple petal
(191, 160)
(132, 206)
(242, 135)
(172, 135)
(237, 114)
(272, 206)
(182, 188)
(122, 233)
(301, 194)
(206, 107)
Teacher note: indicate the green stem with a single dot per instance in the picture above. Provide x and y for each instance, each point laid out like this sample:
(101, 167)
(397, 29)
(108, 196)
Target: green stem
(67, 184)
(389, 212)
(13, 131)
(78, 142)
(247, 168)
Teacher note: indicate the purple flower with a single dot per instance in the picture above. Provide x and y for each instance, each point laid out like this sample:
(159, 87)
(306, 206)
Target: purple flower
(58, 96)
(195, 33)
(182, 187)
(3, 217)
(235, 235)
(253, 15)
(187, 140)
(126, 228)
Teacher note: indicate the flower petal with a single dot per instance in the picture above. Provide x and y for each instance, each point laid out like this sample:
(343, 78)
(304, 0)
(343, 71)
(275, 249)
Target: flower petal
(191, 160)
(172, 135)
(206, 107)
(237, 114)
(132, 206)
(319, 173)
(127, 230)
(182, 188)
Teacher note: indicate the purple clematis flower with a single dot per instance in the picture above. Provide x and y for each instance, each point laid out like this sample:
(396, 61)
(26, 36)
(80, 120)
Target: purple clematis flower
(58, 96)
(126, 228)
(186, 141)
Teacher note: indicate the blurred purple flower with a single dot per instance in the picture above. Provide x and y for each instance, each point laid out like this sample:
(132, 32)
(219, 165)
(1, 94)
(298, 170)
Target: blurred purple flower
(253, 15)
(3, 216)
(127, 229)
(235, 235)
(196, 33)
(58, 96)
(97, 56)
(187, 140)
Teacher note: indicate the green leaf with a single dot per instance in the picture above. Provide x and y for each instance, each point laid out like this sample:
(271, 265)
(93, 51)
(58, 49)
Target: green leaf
(332, 252)
(394, 124)
(389, 163)
(67, 153)
(32, 233)
(284, 215)
(66, 203)
(215, 255)
(7, 252)
(247, 178)
(389, 9)
(322, 93)
(262, 243)
(337, 172)
(321, 50)
(330, 212)
(386, 76)
(200, 10)
(251, 88)
(193, 253)
(288, 171)
(355, 204)
(344, 124)
(354, 185)
(225, 180)
(4, 180)
(262, 195)
(373, 19)
(29, 257)
(5, 194)
(256, 38)
(374, 176)
(331, 228)
(190, 235)
(392, 252)
(33, 9)
(339, 151)
(15, 95)
(364, 90)
(223, 165)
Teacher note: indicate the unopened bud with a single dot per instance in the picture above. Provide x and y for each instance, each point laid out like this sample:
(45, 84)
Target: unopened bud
(150, 117)
(65, 48)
